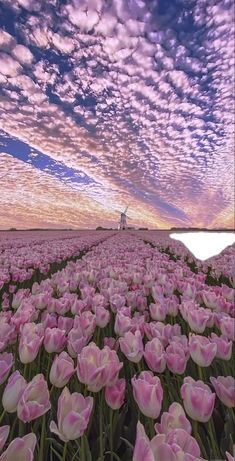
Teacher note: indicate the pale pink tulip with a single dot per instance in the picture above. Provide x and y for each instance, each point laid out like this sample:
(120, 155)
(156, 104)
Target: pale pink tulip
(198, 399)
(54, 340)
(73, 414)
(20, 449)
(148, 393)
(225, 389)
(115, 394)
(202, 350)
(131, 346)
(175, 418)
(13, 391)
(61, 370)
(224, 346)
(6, 362)
(98, 367)
(176, 358)
(154, 355)
(35, 400)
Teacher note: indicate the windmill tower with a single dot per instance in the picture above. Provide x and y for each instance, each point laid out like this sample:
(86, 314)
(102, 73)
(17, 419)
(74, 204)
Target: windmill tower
(123, 222)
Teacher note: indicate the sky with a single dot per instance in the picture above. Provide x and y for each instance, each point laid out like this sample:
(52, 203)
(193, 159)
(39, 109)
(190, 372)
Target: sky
(109, 103)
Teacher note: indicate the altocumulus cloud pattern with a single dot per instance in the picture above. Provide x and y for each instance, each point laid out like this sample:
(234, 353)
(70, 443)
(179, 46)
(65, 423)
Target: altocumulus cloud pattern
(106, 103)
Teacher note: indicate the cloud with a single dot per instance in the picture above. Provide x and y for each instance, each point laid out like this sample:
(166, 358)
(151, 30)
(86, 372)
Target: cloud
(136, 95)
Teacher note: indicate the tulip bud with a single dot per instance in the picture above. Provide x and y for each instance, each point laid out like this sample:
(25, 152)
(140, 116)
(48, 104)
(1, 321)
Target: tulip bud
(114, 395)
(12, 393)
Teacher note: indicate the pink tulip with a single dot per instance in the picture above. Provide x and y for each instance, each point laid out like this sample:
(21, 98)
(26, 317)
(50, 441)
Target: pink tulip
(20, 449)
(6, 362)
(227, 327)
(73, 415)
(48, 320)
(77, 339)
(35, 400)
(65, 323)
(224, 347)
(158, 311)
(177, 445)
(198, 399)
(148, 393)
(4, 432)
(61, 370)
(122, 324)
(154, 355)
(111, 342)
(102, 316)
(175, 418)
(13, 391)
(54, 340)
(202, 350)
(31, 339)
(176, 358)
(225, 389)
(131, 346)
(115, 394)
(198, 319)
(87, 322)
(184, 441)
(98, 367)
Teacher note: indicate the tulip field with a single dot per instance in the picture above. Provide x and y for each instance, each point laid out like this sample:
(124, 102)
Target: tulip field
(115, 346)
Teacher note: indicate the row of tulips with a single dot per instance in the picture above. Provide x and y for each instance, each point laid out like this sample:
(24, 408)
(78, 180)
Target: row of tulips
(124, 354)
(219, 267)
(21, 265)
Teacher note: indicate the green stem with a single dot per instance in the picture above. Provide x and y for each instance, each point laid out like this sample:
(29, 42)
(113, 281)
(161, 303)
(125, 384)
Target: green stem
(64, 452)
(200, 372)
(101, 427)
(111, 432)
(198, 438)
(212, 435)
(151, 428)
(83, 454)
(2, 416)
(41, 449)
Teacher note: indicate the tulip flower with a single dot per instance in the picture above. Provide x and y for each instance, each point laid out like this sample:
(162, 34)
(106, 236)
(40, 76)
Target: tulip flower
(122, 324)
(175, 418)
(202, 350)
(131, 346)
(225, 389)
(102, 316)
(227, 327)
(224, 347)
(158, 311)
(6, 362)
(177, 445)
(115, 394)
(77, 339)
(198, 399)
(20, 449)
(54, 340)
(13, 391)
(73, 415)
(61, 370)
(65, 323)
(34, 401)
(176, 358)
(154, 355)
(4, 432)
(98, 368)
(148, 393)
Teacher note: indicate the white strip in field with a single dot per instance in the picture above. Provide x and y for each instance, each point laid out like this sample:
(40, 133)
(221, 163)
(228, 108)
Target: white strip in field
(204, 245)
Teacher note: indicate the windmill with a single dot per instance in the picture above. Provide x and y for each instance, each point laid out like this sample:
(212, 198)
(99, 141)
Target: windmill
(123, 216)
